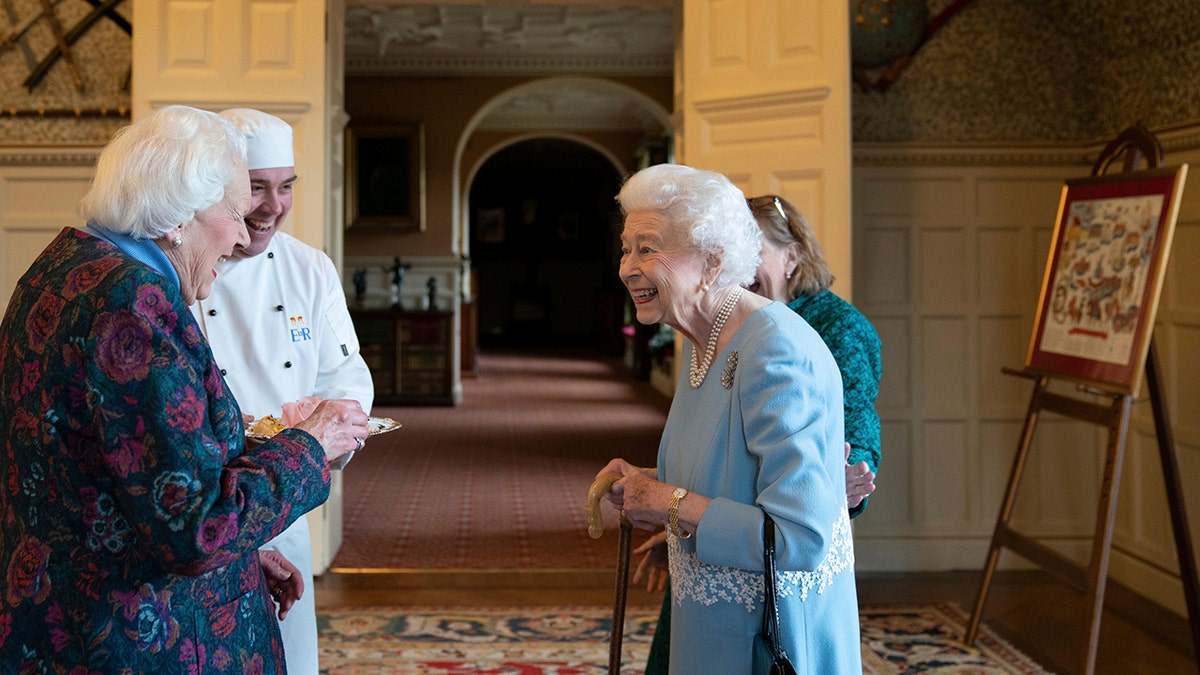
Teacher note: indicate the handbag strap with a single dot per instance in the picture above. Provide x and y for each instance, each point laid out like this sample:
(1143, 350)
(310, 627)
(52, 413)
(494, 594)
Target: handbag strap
(770, 623)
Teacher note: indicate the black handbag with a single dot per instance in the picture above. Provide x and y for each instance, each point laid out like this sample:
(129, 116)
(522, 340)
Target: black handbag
(769, 657)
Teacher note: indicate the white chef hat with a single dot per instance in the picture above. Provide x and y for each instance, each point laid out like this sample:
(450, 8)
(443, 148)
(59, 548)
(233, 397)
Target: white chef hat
(268, 138)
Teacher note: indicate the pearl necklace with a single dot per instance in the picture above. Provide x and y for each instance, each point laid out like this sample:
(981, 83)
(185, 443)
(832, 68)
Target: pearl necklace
(699, 370)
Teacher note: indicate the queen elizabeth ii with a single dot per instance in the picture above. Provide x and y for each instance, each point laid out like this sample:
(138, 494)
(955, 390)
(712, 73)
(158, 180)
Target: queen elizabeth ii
(754, 428)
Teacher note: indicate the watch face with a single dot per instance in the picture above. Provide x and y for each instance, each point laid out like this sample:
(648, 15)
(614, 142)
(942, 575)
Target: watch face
(679, 493)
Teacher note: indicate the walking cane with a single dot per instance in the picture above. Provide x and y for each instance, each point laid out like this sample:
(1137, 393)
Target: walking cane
(595, 530)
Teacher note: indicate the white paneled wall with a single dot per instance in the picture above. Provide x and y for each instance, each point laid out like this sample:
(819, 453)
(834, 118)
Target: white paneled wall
(1143, 530)
(39, 195)
(950, 248)
(946, 270)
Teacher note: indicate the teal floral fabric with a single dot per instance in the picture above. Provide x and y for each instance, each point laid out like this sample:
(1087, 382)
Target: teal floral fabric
(856, 348)
(131, 509)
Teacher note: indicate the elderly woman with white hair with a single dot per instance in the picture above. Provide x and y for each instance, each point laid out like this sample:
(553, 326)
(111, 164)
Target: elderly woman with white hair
(754, 428)
(132, 506)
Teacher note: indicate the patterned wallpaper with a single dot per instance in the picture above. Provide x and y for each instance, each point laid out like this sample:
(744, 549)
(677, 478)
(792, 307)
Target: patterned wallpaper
(102, 56)
(999, 71)
(1042, 70)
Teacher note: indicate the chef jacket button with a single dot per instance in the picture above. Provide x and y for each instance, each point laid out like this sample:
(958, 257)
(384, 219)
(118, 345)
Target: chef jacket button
(270, 254)
(222, 372)
(278, 308)
(212, 312)
(287, 364)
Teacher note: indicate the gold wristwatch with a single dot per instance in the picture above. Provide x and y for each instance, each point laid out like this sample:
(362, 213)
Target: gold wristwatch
(673, 513)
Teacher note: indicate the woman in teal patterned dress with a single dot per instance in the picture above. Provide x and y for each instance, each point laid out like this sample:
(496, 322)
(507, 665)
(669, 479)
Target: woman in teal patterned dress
(794, 272)
(131, 506)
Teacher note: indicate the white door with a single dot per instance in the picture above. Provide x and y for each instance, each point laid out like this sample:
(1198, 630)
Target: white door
(763, 89)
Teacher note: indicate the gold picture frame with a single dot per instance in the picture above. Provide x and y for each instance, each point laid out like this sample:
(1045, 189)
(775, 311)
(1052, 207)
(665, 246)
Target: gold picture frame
(385, 177)
(1100, 293)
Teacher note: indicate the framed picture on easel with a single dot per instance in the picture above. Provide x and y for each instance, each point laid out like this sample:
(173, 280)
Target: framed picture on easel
(1104, 276)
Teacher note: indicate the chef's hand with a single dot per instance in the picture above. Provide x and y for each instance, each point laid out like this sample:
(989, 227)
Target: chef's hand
(339, 424)
(247, 422)
(284, 580)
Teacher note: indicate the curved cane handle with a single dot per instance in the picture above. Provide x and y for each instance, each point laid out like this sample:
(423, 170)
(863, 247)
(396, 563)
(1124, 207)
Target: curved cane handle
(599, 488)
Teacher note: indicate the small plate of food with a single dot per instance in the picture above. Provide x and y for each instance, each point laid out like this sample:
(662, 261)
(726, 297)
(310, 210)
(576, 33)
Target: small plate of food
(296, 411)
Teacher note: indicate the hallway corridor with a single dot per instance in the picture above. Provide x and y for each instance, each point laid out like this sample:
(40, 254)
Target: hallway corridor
(500, 481)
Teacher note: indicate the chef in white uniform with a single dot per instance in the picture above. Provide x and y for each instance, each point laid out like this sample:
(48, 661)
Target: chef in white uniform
(279, 327)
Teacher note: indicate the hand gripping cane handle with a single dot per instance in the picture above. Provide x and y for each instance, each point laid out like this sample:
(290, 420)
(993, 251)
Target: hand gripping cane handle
(600, 487)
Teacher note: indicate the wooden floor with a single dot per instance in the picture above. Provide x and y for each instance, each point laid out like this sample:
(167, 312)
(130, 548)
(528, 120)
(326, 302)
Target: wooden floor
(1038, 615)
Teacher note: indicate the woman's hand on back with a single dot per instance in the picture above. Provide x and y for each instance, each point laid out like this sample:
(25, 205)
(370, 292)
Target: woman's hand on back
(860, 481)
(653, 566)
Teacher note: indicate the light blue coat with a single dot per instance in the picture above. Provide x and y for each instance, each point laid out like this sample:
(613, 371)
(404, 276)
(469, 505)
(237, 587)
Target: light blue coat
(772, 440)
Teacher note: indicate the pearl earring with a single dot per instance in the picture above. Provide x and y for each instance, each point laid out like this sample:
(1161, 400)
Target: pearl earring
(177, 242)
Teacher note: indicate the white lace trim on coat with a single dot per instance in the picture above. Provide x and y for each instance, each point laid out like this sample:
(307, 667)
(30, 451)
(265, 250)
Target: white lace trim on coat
(709, 584)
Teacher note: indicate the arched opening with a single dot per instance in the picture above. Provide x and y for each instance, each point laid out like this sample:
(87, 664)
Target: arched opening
(542, 228)
(583, 106)
(584, 135)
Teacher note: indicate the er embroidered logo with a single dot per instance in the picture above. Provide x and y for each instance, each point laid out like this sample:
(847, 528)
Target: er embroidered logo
(299, 329)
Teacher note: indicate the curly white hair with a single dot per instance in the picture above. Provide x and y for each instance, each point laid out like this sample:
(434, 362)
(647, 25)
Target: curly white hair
(709, 207)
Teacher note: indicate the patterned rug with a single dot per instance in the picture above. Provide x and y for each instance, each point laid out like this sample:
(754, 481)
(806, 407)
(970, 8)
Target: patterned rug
(574, 641)
(928, 639)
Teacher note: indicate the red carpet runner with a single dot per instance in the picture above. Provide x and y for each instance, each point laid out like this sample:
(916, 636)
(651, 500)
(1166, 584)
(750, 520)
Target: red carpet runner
(499, 482)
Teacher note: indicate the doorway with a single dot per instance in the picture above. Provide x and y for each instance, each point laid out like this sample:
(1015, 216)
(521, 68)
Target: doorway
(544, 228)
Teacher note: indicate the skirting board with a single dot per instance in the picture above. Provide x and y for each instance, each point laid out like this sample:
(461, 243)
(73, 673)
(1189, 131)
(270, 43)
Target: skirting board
(1151, 582)
(940, 555)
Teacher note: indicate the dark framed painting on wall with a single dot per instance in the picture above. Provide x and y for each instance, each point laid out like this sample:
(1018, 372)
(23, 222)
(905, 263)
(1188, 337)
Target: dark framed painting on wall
(489, 225)
(385, 177)
(1104, 276)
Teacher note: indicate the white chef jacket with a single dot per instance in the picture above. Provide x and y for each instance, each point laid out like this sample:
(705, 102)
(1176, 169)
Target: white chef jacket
(280, 330)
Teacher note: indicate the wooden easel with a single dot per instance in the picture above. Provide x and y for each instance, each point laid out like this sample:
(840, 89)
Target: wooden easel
(1135, 145)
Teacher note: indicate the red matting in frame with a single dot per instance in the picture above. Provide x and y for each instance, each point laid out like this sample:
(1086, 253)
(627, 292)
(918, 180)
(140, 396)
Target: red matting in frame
(1104, 276)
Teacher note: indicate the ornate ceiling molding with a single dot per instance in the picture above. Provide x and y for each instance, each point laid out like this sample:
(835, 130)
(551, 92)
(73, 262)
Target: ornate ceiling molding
(573, 104)
(473, 65)
(450, 39)
(1177, 138)
(49, 156)
(903, 154)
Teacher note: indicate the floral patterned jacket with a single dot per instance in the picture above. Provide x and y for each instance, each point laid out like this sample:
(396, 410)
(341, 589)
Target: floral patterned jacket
(131, 509)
